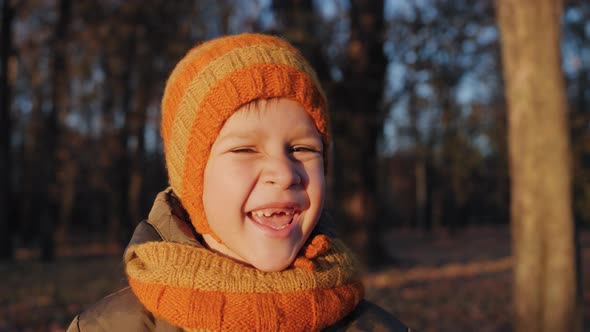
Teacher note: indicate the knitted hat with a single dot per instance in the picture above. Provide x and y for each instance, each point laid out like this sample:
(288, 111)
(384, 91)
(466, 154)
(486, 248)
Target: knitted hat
(209, 84)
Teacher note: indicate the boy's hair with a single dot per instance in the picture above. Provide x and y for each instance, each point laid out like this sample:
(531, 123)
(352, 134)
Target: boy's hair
(213, 81)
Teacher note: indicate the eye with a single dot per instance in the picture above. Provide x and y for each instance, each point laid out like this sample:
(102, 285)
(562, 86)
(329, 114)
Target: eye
(243, 150)
(304, 148)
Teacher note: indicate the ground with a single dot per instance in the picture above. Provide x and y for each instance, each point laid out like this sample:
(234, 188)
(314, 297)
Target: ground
(442, 283)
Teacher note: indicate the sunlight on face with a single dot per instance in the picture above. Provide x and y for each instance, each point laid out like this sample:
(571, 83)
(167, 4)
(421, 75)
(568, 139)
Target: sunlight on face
(264, 184)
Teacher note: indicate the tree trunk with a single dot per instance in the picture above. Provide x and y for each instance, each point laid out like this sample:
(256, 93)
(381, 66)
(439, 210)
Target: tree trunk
(6, 250)
(68, 166)
(542, 229)
(137, 132)
(363, 84)
(120, 198)
(297, 22)
(422, 167)
(31, 198)
(59, 101)
(109, 154)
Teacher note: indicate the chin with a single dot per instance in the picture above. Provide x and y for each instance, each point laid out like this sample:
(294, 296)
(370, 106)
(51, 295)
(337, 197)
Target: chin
(272, 264)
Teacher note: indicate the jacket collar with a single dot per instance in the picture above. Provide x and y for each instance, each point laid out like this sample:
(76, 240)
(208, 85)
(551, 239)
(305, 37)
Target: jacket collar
(163, 225)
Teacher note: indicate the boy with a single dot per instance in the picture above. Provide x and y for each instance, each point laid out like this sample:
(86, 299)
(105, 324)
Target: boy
(238, 241)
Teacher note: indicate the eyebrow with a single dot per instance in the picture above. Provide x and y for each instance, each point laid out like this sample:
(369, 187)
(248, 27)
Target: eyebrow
(307, 131)
(237, 135)
(299, 132)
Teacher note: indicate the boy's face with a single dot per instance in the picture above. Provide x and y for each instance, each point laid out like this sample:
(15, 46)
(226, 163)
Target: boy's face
(264, 184)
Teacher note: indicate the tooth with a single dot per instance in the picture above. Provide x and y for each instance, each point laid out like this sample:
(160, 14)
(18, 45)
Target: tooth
(270, 212)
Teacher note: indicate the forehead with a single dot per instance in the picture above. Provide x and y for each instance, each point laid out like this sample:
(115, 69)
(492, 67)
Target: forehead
(259, 114)
(260, 104)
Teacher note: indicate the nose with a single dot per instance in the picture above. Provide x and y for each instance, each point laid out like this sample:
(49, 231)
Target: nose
(282, 171)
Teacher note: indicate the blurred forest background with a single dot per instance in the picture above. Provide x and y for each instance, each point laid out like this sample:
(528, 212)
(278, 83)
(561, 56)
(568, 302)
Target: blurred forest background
(419, 123)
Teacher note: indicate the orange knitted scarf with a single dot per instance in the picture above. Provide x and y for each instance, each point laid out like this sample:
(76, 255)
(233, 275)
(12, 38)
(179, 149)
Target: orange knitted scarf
(199, 290)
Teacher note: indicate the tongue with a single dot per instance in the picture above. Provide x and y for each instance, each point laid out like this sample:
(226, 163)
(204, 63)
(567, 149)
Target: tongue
(275, 221)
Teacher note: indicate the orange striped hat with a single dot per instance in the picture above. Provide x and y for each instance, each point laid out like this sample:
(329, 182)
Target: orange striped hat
(209, 84)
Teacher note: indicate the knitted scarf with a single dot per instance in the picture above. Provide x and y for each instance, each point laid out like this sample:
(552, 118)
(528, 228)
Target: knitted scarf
(199, 290)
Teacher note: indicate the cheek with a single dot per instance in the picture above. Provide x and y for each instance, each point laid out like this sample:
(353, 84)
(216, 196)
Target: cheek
(224, 185)
(317, 183)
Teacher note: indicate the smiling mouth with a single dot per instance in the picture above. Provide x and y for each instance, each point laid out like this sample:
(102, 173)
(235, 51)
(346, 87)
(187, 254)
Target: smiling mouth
(274, 218)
